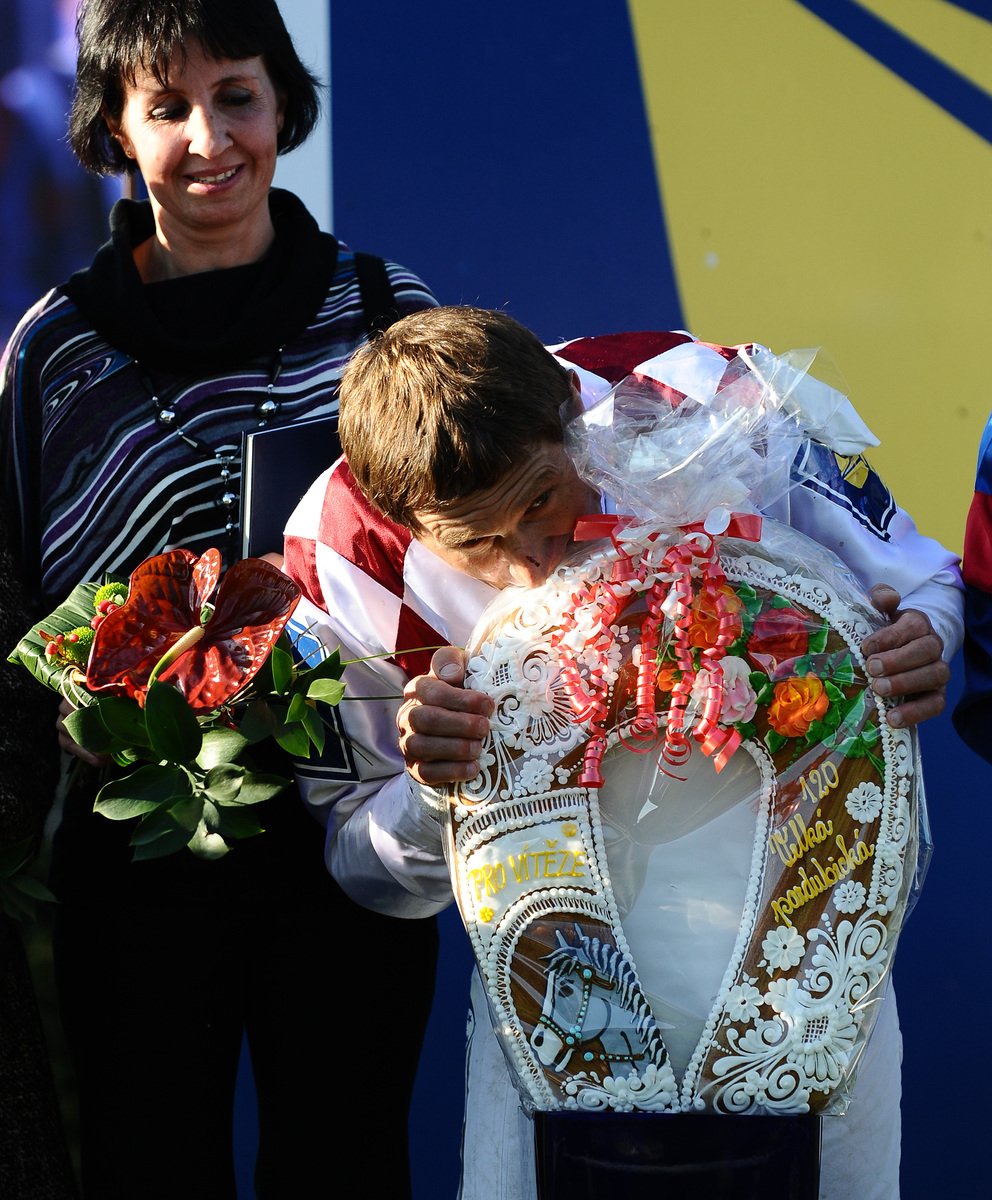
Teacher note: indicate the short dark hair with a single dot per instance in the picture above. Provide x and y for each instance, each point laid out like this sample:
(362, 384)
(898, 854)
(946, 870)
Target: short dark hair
(444, 403)
(119, 37)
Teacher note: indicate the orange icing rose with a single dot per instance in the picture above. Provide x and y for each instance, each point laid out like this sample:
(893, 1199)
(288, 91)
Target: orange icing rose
(668, 677)
(704, 625)
(796, 704)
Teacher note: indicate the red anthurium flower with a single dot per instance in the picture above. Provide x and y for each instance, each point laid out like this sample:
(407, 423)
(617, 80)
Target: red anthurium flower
(165, 631)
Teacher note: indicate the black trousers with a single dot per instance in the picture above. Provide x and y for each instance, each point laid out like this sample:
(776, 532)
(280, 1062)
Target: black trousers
(162, 966)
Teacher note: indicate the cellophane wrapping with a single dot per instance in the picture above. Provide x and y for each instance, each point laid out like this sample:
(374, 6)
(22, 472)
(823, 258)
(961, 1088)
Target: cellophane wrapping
(686, 861)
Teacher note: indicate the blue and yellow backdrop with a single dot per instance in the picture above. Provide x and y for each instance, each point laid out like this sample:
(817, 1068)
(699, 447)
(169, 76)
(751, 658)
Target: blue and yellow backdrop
(795, 172)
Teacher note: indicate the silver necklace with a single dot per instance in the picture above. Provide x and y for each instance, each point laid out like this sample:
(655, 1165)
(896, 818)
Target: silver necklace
(229, 461)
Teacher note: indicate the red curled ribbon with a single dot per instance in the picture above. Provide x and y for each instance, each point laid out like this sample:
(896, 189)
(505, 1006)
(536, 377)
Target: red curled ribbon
(670, 593)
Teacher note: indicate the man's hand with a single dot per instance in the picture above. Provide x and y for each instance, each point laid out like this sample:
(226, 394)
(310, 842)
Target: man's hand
(441, 723)
(904, 661)
(71, 747)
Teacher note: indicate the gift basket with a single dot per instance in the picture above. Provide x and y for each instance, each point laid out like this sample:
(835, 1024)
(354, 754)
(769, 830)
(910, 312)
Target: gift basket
(686, 860)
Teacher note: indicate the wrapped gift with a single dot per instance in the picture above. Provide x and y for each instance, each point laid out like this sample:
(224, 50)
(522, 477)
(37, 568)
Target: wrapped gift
(686, 860)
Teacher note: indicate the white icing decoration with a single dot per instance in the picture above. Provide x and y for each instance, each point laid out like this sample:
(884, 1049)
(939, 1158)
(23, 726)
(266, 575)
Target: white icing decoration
(777, 1041)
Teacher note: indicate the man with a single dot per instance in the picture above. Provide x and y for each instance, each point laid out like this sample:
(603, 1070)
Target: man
(456, 484)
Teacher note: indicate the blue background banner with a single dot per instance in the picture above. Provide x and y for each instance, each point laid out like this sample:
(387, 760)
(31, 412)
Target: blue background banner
(793, 172)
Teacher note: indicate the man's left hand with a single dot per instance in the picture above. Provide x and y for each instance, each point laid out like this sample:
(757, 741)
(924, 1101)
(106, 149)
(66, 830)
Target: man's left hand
(904, 661)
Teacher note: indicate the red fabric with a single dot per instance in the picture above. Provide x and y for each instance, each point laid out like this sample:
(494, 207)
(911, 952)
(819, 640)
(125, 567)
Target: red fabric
(361, 534)
(977, 560)
(615, 355)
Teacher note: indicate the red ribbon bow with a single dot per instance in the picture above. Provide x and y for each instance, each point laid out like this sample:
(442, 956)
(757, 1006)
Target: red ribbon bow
(671, 590)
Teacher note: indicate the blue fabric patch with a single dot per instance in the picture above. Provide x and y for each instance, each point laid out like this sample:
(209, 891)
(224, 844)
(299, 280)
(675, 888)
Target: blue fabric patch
(336, 762)
(983, 476)
(849, 482)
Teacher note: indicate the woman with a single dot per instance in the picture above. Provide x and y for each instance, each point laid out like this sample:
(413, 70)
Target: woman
(216, 308)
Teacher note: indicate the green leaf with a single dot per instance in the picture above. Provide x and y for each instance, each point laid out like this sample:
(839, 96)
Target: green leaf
(220, 746)
(762, 686)
(223, 783)
(188, 811)
(856, 713)
(88, 729)
(294, 740)
(780, 602)
(261, 683)
(314, 726)
(239, 823)
(843, 670)
(281, 662)
(143, 791)
(207, 843)
(328, 691)
(170, 841)
(173, 729)
(329, 668)
(124, 719)
(818, 639)
(258, 722)
(184, 815)
(257, 788)
(774, 741)
(750, 599)
(29, 886)
(30, 650)
(817, 731)
(297, 707)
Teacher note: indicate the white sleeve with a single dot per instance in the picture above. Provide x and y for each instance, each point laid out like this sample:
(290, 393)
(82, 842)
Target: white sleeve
(383, 846)
(862, 524)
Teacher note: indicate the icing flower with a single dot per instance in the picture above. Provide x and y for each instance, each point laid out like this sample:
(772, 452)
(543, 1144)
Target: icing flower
(849, 896)
(704, 624)
(864, 802)
(779, 637)
(742, 1002)
(739, 699)
(796, 704)
(534, 777)
(668, 677)
(783, 947)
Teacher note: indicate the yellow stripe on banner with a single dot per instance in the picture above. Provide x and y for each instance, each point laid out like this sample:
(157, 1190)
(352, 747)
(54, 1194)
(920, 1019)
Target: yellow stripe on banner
(814, 198)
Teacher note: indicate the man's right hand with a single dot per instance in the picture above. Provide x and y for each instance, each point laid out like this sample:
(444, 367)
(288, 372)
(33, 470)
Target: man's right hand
(441, 723)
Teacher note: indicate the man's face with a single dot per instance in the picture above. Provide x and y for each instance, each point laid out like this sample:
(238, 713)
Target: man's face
(517, 531)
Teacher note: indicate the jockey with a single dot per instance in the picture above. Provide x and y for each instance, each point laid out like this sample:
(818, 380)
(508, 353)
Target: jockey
(455, 484)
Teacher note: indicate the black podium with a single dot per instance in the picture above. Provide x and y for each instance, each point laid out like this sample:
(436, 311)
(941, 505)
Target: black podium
(682, 1156)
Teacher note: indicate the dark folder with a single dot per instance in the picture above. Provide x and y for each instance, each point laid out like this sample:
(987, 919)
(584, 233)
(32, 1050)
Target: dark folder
(278, 466)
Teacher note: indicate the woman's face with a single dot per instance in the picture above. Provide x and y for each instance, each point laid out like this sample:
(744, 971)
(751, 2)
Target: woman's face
(205, 145)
